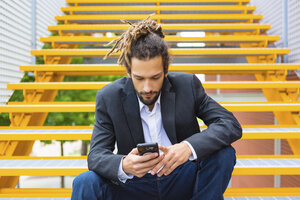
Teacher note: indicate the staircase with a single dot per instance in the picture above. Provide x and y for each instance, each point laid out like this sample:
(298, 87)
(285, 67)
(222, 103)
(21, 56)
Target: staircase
(231, 31)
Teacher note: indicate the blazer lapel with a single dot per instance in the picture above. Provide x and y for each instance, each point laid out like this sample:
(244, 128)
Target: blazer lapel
(168, 110)
(132, 112)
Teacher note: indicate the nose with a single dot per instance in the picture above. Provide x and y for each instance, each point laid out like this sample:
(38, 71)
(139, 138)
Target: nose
(147, 86)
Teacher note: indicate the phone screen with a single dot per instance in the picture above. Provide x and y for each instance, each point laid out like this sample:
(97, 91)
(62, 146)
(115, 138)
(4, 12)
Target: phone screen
(147, 148)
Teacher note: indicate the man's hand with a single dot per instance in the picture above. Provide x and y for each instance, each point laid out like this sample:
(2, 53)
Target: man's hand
(175, 155)
(138, 165)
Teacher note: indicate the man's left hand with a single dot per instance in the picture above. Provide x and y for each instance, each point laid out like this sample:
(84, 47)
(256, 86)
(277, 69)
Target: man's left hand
(175, 155)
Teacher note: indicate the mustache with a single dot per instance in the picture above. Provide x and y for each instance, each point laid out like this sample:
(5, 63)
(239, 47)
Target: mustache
(151, 92)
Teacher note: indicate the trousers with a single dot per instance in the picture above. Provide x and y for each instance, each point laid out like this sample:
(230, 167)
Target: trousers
(205, 179)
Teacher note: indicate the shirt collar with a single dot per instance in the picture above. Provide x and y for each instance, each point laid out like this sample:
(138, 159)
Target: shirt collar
(142, 105)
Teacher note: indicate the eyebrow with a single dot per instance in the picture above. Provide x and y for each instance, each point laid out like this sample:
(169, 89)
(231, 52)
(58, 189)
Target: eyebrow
(137, 76)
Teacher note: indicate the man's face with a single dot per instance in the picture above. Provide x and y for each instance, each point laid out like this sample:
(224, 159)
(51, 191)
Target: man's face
(147, 77)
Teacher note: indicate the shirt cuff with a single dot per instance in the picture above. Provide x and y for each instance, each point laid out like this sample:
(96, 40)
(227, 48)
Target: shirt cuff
(194, 155)
(122, 175)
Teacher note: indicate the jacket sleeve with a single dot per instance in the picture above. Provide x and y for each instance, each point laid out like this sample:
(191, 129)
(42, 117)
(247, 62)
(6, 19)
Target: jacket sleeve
(101, 158)
(222, 127)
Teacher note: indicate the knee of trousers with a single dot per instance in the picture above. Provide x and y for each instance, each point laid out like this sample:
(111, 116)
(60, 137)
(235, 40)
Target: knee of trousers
(223, 159)
(87, 179)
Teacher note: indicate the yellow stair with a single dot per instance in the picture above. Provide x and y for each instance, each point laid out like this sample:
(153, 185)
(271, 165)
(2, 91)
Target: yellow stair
(230, 24)
(213, 52)
(85, 132)
(209, 28)
(100, 69)
(207, 85)
(224, 39)
(38, 107)
(247, 18)
(78, 9)
(64, 193)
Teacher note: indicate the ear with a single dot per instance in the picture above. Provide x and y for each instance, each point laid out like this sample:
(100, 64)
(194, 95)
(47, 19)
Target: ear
(166, 74)
(127, 72)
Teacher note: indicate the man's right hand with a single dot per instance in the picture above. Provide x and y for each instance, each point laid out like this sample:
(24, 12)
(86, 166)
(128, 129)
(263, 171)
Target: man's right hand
(138, 165)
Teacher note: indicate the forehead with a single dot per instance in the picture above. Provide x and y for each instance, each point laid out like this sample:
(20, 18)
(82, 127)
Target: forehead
(146, 67)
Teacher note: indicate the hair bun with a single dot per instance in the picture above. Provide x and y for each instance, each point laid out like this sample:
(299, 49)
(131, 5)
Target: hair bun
(157, 31)
(136, 30)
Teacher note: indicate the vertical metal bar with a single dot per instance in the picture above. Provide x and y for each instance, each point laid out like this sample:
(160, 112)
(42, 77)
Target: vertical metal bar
(230, 183)
(277, 142)
(33, 28)
(218, 79)
(285, 28)
(277, 151)
(277, 145)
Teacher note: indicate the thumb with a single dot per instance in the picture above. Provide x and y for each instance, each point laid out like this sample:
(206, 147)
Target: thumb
(134, 151)
(162, 148)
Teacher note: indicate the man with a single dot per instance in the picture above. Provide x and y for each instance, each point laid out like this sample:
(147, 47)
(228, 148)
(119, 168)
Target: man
(152, 105)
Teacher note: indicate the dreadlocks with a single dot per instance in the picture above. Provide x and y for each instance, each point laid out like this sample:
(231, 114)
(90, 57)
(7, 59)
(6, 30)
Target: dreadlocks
(143, 40)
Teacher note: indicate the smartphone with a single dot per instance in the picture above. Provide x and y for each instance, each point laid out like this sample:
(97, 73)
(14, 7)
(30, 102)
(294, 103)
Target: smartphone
(147, 148)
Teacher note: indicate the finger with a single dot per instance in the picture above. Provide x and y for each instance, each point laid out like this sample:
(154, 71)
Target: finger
(162, 148)
(157, 167)
(171, 169)
(150, 163)
(147, 166)
(141, 173)
(148, 157)
(166, 167)
(160, 165)
(150, 166)
(145, 171)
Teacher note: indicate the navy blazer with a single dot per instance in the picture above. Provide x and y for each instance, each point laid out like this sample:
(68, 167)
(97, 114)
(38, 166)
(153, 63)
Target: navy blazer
(183, 99)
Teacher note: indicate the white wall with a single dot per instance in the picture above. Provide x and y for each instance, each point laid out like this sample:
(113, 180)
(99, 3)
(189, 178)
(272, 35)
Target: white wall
(273, 11)
(16, 36)
(294, 31)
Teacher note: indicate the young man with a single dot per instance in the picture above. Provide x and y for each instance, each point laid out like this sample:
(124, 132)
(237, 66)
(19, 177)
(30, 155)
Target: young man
(152, 105)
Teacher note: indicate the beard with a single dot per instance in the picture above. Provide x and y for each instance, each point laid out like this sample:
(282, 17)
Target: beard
(148, 101)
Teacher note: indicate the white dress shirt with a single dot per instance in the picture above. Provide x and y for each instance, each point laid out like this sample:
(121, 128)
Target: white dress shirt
(153, 132)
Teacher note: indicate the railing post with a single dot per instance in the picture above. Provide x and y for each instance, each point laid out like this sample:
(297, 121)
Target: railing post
(277, 151)
(285, 28)
(33, 28)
